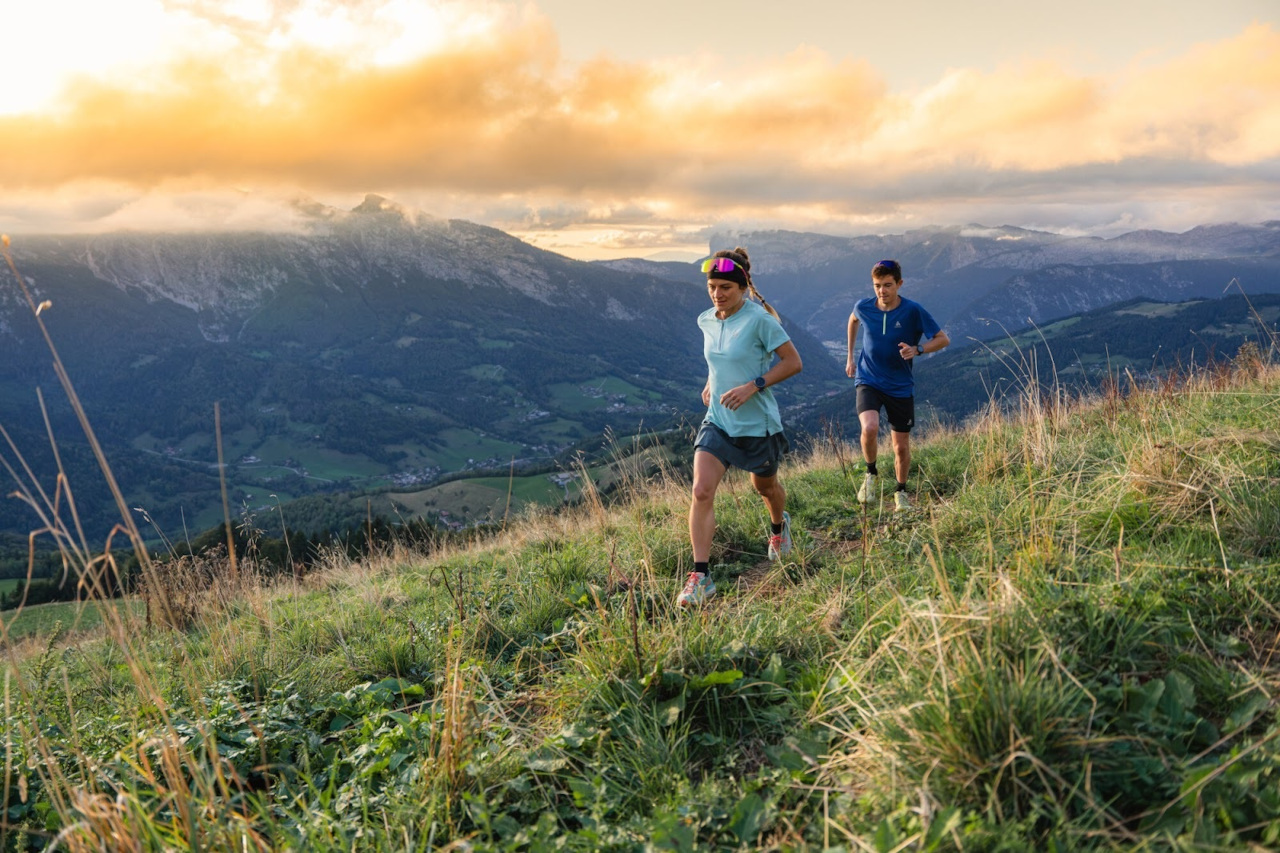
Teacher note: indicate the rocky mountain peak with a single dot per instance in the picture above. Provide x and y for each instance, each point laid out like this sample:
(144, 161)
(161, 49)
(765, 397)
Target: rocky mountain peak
(374, 203)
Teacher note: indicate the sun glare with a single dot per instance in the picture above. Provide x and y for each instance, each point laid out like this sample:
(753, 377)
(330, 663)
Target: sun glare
(51, 43)
(389, 33)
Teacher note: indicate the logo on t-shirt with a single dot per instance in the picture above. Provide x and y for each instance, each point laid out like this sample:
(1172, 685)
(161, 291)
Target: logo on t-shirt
(897, 324)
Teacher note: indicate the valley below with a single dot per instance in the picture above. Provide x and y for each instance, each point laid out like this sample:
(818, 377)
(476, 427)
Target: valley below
(387, 363)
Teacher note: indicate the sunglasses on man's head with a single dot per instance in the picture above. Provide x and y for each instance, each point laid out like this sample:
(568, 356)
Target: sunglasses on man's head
(719, 265)
(891, 264)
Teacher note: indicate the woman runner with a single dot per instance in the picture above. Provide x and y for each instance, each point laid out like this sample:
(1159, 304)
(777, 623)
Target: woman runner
(742, 428)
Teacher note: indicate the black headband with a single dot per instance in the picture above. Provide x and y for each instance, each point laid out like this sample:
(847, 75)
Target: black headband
(738, 274)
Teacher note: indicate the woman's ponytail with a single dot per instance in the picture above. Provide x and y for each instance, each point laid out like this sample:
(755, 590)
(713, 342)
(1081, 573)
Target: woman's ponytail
(751, 285)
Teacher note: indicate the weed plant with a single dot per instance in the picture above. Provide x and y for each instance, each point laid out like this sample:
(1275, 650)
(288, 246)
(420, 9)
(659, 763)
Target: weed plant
(1069, 645)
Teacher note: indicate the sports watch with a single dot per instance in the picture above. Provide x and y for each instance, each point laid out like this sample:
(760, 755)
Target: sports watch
(759, 383)
(919, 350)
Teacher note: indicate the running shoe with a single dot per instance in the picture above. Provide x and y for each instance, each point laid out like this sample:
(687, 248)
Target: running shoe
(780, 543)
(901, 503)
(698, 589)
(870, 489)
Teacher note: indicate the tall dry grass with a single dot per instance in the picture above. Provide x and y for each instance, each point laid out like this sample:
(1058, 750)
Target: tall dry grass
(941, 681)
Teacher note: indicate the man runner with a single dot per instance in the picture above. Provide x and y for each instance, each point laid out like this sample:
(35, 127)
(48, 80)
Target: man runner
(892, 329)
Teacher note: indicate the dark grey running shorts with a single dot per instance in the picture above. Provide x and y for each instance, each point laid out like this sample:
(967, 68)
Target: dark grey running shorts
(760, 455)
(901, 411)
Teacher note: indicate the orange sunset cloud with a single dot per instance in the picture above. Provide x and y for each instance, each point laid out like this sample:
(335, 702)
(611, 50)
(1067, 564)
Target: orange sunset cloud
(497, 114)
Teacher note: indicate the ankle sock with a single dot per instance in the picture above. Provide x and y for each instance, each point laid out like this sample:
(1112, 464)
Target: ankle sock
(701, 568)
(776, 528)
(902, 487)
(871, 469)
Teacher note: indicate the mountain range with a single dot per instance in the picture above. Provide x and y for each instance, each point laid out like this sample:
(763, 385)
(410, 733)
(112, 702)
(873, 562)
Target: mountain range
(981, 283)
(379, 348)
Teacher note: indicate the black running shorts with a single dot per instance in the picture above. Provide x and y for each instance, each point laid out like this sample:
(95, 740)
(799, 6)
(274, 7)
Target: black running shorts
(758, 454)
(901, 410)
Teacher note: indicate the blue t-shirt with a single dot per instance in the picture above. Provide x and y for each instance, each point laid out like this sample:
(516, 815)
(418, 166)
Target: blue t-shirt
(880, 365)
(737, 351)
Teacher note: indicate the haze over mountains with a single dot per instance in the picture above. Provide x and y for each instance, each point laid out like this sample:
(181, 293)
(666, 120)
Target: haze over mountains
(976, 280)
(383, 348)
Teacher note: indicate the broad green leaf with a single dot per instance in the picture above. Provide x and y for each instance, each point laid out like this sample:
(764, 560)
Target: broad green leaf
(576, 734)
(1179, 696)
(724, 676)
(1246, 711)
(1190, 786)
(584, 793)
(943, 824)
(670, 710)
(885, 838)
(546, 763)
(748, 818)
(774, 672)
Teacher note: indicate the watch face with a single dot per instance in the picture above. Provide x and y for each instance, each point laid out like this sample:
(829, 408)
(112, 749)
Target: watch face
(760, 382)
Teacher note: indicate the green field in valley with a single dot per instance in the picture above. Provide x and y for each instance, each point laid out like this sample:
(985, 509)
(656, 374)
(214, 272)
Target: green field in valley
(492, 498)
(596, 394)
(42, 620)
(483, 498)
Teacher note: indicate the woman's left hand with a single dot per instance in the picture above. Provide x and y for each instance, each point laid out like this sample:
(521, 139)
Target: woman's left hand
(735, 397)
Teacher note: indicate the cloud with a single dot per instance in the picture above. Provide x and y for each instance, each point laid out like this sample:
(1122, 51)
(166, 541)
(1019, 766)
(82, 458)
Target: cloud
(470, 105)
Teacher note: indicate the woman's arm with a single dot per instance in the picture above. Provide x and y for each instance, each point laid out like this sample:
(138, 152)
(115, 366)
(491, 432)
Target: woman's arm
(788, 365)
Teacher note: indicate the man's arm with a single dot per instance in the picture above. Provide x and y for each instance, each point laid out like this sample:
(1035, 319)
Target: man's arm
(853, 338)
(937, 342)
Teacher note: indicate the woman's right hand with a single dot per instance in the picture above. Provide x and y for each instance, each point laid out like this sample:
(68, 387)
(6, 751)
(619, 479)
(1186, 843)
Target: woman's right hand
(706, 395)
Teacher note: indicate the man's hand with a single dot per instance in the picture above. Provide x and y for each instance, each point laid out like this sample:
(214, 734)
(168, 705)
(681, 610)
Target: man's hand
(906, 350)
(849, 368)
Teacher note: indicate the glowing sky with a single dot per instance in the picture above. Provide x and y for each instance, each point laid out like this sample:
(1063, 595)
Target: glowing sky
(607, 129)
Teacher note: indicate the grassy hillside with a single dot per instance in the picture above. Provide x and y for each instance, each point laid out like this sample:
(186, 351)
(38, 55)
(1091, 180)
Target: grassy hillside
(1070, 645)
(1129, 341)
